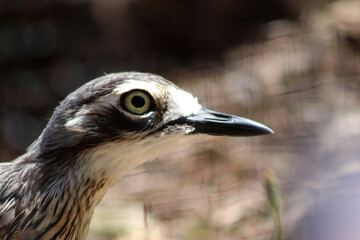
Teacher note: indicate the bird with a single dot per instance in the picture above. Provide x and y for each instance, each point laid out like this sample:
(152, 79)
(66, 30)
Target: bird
(97, 134)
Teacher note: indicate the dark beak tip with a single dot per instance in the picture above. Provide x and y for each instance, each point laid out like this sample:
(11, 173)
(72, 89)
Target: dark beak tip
(268, 131)
(257, 131)
(253, 128)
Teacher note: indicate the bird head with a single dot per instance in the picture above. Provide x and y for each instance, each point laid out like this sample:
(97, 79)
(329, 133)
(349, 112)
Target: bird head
(133, 116)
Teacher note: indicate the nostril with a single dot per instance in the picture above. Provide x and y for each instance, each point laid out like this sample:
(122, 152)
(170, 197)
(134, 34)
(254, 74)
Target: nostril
(220, 115)
(217, 119)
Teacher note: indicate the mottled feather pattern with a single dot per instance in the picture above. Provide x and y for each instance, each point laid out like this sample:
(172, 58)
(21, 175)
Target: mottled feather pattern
(53, 212)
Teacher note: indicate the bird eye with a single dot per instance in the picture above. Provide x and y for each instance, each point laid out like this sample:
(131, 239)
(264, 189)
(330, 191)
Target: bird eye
(137, 102)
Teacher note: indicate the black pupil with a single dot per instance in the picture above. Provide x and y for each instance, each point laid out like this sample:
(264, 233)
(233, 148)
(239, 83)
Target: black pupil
(138, 101)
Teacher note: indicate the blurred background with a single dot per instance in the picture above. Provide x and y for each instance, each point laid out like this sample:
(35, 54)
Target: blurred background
(292, 65)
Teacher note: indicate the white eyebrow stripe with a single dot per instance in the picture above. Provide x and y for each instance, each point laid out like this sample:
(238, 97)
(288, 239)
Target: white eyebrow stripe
(129, 85)
(181, 104)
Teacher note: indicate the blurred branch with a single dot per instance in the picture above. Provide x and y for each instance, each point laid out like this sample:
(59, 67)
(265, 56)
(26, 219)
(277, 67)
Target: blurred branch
(274, 198)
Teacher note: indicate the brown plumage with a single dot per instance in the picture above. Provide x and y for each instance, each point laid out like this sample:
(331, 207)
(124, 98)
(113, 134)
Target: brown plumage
(97, 134)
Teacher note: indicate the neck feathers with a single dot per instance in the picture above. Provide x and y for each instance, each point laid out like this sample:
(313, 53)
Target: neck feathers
(35, 205)
(54, 198)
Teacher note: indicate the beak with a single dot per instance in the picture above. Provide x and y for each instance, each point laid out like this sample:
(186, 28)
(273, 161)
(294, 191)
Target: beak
(221, 124)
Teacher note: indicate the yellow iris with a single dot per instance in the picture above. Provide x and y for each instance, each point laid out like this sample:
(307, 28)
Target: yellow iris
(137, 102)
